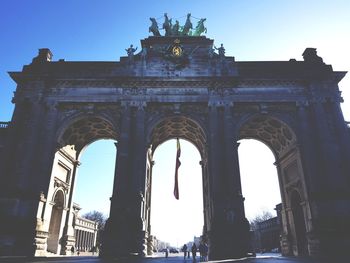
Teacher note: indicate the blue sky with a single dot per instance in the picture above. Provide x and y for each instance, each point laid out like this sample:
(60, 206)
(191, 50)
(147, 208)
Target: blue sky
(101, 30)
(90, 30)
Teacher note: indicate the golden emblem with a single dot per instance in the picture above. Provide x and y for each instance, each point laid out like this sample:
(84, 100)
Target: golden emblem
(177, 51)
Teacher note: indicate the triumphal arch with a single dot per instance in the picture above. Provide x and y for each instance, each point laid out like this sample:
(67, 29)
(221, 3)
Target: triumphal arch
(177, 85)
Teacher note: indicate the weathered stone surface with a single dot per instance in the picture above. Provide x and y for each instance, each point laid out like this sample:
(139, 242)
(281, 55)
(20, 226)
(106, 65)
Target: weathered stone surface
(177, 87)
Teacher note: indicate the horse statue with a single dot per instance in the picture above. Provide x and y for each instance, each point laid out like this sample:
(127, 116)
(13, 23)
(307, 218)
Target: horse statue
(154, 27)
(200, 28)
(167, 25)
(187, 26)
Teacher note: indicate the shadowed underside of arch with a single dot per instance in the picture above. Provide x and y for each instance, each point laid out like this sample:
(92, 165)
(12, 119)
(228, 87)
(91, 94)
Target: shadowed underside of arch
(86, 131)
(274, 133)
(179, 127)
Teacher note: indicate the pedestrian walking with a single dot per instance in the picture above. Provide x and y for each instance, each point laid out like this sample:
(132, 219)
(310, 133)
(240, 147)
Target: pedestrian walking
(184, 249)
(201, 251)
(205, 252)
(194, 252)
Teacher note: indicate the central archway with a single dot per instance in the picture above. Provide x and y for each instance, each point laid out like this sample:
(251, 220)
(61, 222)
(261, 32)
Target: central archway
(188, 129)
(176, 221)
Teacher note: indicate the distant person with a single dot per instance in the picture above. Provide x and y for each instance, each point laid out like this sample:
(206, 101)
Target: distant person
(194, 252)
(72, 250)
(184, 249)
(205, 252)
(201, 251)
(167, 252)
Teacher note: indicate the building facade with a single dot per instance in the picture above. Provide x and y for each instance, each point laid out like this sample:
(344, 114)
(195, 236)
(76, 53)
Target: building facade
(85, 232)
(176, 87)
(268, 233)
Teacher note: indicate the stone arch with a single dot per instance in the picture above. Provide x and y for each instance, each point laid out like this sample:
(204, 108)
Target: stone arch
(73, 136)
(60, 197)
(178, 126)
(83, 130)
(184, 127)
(58, 205)
(271, 130)
(277, 133)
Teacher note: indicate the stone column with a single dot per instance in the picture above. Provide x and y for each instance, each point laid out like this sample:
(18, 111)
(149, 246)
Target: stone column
(311, 171)
(236, 223)
(335, 185)
(90, 241)
(19, 187)
(328, 154)
(80, 240)
(150, 245)
(125, 229)
(138, 187)
(229, 230)
(343, 137)
(68, 239)
(115, 237)
(206, 197)
(122, 167)
(216, 230)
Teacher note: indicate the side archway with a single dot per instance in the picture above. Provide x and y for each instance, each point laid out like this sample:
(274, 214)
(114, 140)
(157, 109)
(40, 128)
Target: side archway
(282, 140)
(55, 229)
(73, 136)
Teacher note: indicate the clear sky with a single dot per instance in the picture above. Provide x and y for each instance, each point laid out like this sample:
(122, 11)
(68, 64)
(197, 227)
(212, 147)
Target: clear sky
(250, 30)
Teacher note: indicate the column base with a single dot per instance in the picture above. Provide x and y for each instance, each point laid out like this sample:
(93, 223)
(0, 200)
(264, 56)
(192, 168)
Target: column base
(123, 238)
(330, 243)
(40, 243)
(229, 240)
(150, 245)
(286, 246)
(66, 245)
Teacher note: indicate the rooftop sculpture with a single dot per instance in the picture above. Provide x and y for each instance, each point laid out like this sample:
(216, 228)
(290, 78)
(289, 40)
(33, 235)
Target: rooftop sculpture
(177, 30)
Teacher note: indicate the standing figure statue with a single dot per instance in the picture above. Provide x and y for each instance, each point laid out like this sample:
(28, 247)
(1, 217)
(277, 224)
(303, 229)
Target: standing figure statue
(130, 51)
(187, 26)
(211, 52)
(175, 29)
(200, 28)
(167, 25)
(144, 53)
(221, 51)
(154, 27)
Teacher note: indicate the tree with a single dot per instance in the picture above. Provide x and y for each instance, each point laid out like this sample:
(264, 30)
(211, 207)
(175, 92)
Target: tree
(97, 217)
(101, 221)
(265, 215)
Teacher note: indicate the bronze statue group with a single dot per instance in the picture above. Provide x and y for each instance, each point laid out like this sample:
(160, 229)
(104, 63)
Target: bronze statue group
(177, 30)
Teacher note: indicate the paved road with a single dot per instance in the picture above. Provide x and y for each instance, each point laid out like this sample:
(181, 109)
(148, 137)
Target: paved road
(265, 258)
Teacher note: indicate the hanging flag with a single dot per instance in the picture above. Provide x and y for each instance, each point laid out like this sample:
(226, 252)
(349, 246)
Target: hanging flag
(178, 163)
